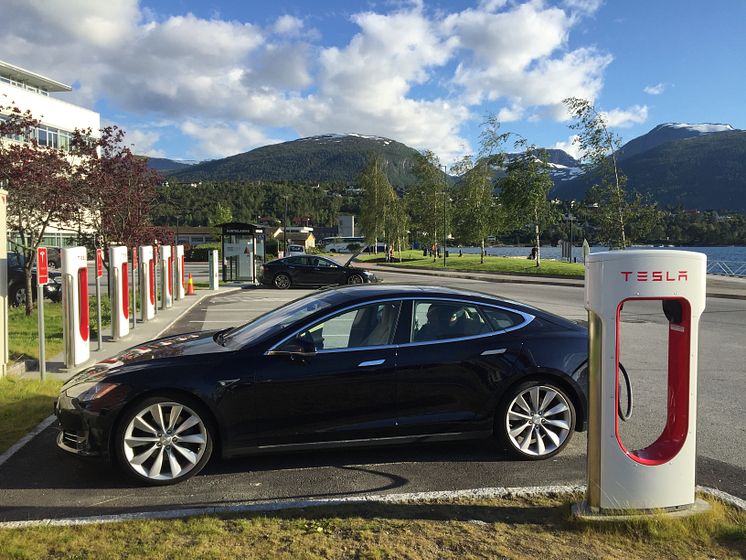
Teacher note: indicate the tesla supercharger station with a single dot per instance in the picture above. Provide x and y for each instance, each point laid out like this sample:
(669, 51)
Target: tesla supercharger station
(119, 290)
(147, 282)
(660, 476)
(179, 292)
(214, 270)
(167, 277)
(75, 326)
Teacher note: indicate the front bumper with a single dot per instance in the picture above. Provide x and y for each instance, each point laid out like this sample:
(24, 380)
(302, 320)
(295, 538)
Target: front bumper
(82, 432)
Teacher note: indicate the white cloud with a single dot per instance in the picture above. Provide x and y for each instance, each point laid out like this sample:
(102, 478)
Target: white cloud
(412, 74)
(583, 7)
(521, 55)
(143, 142)
(570, 146)
(221, 140)
(657, 89)
(288, 25)
(636, 114)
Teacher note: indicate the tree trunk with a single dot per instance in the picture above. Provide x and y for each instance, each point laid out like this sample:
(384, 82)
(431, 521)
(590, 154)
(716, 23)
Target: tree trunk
(538, 246)
(481, 253)
(29, 286)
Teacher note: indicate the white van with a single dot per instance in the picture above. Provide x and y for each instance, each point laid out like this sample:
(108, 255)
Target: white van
(296, 250)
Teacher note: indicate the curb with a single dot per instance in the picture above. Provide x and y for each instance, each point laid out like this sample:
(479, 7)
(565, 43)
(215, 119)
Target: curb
(257, 507)
(515, 279)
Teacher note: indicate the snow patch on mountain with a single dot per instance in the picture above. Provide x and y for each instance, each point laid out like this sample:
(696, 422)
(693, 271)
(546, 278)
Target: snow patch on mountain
(702, 128)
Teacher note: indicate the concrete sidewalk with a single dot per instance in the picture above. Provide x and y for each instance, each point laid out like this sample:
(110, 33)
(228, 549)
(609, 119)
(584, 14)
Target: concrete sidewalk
(141, 333)
(717, 286)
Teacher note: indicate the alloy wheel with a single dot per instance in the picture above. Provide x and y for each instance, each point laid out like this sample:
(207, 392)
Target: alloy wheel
(539, 421)
(165, 441)
(282, 281)
(355, 279)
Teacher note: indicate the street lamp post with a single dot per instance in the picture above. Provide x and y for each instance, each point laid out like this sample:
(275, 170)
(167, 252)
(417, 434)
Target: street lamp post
(445, 199)
(285, 227)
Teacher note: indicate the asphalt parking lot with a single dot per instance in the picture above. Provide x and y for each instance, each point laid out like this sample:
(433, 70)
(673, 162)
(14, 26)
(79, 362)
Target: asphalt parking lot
(42, 482)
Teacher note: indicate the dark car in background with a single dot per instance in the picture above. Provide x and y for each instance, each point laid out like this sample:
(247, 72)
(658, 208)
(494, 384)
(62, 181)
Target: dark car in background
(312, 270)
(347, 366)
(17, 282)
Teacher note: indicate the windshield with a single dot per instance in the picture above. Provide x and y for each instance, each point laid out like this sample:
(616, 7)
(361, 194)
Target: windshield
(276, 320)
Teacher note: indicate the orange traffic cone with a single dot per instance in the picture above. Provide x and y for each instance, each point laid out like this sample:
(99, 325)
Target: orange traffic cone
(190, 286)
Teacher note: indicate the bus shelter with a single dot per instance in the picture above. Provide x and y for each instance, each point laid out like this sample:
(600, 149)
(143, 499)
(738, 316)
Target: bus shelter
(243, 250)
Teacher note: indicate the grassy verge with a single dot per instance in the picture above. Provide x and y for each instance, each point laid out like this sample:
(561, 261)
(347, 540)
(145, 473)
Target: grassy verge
(471, 263)
(23, 330)
(474, 529)
(23, 404)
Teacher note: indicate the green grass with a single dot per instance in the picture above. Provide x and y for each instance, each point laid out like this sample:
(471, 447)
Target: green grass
(23, 330)
(471, 263)
(23, 404)
(465, 529)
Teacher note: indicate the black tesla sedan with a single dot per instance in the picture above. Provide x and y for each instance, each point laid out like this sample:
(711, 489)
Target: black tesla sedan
(341, 367)
(312, 270)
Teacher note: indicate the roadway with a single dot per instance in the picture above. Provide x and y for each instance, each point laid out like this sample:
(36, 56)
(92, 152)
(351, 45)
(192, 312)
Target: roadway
(62, 485)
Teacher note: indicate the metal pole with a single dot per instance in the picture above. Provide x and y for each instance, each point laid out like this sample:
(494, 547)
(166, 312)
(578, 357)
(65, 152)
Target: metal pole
(445, 235)
(571, 232)
(285, 227)
(98, 312)
(133, 286)
(42, 340)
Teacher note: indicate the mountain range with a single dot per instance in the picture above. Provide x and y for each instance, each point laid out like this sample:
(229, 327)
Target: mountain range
(694, 166)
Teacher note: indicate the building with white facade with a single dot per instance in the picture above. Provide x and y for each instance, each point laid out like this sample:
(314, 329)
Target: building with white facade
(27, 90)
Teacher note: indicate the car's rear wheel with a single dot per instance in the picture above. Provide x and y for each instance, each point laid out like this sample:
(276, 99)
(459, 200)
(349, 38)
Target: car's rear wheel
(282, 281)
(355, 279)
(535, 420)
(163, 440)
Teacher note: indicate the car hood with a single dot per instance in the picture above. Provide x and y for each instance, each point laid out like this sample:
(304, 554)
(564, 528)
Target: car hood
(353, 257)
(188, 344)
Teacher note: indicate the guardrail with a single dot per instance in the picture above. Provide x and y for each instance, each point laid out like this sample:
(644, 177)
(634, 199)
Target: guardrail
(727, 268)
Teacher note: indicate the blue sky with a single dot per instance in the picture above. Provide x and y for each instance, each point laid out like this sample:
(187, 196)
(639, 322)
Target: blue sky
(199, 80)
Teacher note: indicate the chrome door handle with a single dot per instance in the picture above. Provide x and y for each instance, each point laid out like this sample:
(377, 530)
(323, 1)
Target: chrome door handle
(493, 352)
(371, 363)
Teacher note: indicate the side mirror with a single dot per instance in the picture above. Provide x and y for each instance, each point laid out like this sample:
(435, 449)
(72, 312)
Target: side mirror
(298, 346)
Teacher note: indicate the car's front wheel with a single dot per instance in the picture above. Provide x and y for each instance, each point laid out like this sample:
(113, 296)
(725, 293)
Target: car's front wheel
(355, 279)
(163, 440)
(535, 420)
(282, 281)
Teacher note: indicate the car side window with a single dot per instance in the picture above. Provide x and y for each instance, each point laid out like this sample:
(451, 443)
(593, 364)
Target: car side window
(370, 325)
(297, 261)
(442, 320)
(500, 319)
(323, 263)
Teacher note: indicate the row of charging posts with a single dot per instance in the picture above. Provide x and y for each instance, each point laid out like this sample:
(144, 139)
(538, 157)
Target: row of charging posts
(76, 322)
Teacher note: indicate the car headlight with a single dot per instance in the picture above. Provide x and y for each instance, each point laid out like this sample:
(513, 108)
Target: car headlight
(95, 396)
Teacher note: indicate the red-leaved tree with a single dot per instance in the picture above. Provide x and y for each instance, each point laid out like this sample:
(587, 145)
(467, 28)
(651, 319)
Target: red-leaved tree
(39, 183)
(119, 190)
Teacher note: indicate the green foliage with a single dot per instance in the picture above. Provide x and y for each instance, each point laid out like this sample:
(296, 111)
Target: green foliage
(23, 404)
(524, 190)
(314, 160)
(425, 200)
(222, 215)
(600, 147)
(195, 204)
(477, 213)
(378, 195)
